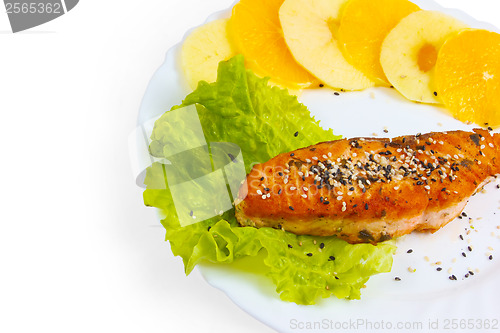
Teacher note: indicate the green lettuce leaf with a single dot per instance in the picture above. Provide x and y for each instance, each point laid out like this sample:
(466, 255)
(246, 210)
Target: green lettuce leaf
(263, 121)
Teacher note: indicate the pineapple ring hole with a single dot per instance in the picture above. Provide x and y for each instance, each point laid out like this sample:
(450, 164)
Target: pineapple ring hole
(427, 57)
(333, 25)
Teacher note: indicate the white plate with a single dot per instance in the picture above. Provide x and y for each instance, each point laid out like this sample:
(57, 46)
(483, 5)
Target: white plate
(420, 298)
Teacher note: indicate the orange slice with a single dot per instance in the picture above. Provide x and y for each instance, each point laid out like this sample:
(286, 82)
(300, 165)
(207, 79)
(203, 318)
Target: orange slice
(363, 27)
(256, 32)
(467, 75)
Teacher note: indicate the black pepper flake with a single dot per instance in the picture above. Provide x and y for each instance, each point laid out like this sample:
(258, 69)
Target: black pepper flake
(309, 254)
(331, 258)
(322, 245)
(291, 208)
(397, 278)
(290, 246)
(296, 134)
(409, 251)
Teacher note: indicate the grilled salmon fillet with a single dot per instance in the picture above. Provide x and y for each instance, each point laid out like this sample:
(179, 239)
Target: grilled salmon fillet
(368, 190)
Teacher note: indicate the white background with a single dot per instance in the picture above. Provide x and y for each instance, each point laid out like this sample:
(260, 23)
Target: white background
(78, 250)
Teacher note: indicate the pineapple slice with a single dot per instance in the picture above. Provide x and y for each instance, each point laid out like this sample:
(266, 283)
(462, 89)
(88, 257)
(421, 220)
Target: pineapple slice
(409, 53)
(310, 28)
(202, 51)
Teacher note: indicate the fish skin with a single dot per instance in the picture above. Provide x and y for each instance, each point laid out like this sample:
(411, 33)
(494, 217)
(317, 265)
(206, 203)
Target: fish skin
(384, 210)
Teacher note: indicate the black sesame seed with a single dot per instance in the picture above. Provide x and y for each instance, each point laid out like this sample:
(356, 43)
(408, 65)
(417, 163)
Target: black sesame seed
(267, 189)
(397, 278)
(463, 214)
(292, 154)
(290, 246)
(490, 257)
(336, 93)
(280, 174)
(291, 208)
(209, 228)
(439, 269)
(420, 183)
(461, 237)
(296, 134)
(435, 93)
(409, 251)
(191, 213)
(469, 248)
(331, 258)
(336, 278)
(366, 206)
(326, 202)
(279, 191)
(309, 254)
(321, 85)
(463, 254)
(262, 178)
(322, 245)
(471, 272)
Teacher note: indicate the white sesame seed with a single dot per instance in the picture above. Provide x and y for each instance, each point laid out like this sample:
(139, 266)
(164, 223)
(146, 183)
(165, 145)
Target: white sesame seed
(354, 155)
(194, 216)
(285, 181)
(478, 162)
(441, 142)
(482, 138)
(329, 154)
(305, 189)
(269, 195)
(293, 188)
(340, 193)
(349, 193)
(264, 197)
(308, 160)
(483, 146)
(304, 196)
(339, 198)
(491, 145)
(315, 158)
(325, 157)
(344, 208)
(455, 156)
(286, 171)
(259, 192)
(427, 187)
(300, 173)
(396, 188)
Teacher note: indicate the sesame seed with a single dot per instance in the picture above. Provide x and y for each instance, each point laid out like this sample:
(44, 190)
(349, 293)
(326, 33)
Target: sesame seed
(439, 269)
(304, 196)
(269, 195)
(264, 197)
(491, 145)
(397, 278)
(296, 134)
(490, 257)
(309, 254)
(308, 160)
(290, 246)
(331, 258)
(305, 189)
(291, 208)
(483, 146)
(293, 188)
(322, 245)
(259, 192)
(409, 251)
